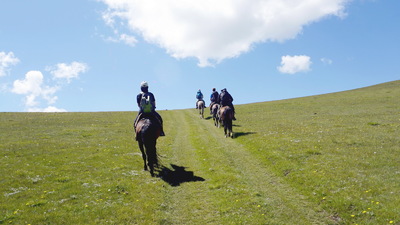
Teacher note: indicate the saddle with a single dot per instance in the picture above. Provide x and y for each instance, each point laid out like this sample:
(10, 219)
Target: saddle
(146, 116)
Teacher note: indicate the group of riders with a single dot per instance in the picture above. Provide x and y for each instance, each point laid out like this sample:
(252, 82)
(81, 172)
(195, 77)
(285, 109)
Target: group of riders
(147, 103)
(223, 99)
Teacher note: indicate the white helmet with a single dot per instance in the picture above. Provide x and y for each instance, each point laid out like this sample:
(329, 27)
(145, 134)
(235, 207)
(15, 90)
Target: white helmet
(144, 84)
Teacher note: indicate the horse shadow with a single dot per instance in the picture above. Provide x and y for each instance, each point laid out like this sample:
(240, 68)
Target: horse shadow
(177, 175)
(238, 134)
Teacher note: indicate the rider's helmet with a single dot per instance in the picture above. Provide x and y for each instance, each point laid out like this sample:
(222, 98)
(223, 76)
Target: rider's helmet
(144, 84)
(144, 87)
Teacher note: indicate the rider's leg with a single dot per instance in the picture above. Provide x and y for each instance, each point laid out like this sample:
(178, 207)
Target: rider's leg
(233, 109)
(135, 123)
(159, 118)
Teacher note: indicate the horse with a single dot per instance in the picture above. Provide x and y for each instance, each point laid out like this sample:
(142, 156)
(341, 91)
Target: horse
(200, 107)
(214, 111)
(147, 132)
(226, 116)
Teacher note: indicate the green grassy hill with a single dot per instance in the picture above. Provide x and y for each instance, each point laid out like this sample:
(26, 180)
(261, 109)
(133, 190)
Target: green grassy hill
(327, 159)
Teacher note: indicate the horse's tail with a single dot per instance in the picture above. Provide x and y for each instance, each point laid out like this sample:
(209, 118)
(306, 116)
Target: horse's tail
(226, 113)
(229, 113)
(149, 133)
(151, 152)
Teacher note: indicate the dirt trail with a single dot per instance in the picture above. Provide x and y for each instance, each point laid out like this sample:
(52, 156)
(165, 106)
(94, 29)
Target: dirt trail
(228, 184)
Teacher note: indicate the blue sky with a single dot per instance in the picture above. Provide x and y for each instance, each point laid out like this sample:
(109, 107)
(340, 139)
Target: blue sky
(90, 55)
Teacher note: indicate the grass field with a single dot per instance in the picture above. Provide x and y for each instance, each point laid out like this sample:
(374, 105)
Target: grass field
(328, 159)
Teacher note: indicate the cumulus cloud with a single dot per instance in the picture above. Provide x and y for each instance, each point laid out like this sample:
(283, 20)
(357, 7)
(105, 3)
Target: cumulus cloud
(212, 31)
(295, 64)
(37, 92)
(7, 60)
(68, 71)
(33, 88)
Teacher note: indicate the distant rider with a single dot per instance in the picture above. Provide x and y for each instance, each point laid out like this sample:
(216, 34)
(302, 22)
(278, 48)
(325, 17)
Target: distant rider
(147, 105)
(199, 97)
(214, 98)
(226, 100)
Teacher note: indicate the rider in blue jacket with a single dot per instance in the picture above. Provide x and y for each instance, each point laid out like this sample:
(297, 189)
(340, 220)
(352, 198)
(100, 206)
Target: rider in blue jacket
(214, 98)
(199, 97)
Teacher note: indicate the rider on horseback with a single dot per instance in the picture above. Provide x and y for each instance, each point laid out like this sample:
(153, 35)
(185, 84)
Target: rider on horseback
(199, 97)
(226, 100)
(147, 106)
(214, 98)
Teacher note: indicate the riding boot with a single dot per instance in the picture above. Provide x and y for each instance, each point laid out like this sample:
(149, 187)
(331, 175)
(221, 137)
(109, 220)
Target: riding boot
(134, 125)
(160, 122)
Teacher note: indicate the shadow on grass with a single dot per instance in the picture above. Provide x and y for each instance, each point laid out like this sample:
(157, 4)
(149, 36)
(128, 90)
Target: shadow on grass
(238, 134)
(177, 175)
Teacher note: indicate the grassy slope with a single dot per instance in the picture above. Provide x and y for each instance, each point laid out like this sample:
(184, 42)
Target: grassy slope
(326, 159)
(341, 150)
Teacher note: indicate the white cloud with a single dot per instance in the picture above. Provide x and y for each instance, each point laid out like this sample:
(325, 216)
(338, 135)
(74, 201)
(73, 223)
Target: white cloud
(295, 64)
(33, 88)
(124, 38)
(212, 31)
(48, 109)
(68, 71)
(37, 92)
(326, 61)
(7, 60)
(127, 39)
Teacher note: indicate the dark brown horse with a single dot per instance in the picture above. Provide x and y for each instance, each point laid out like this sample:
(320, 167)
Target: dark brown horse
(214, 112)
(226, 116)
(147, 132)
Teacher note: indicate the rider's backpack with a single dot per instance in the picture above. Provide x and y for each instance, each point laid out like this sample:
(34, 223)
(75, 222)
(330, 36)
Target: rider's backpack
(199, 95)
(145, 104)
